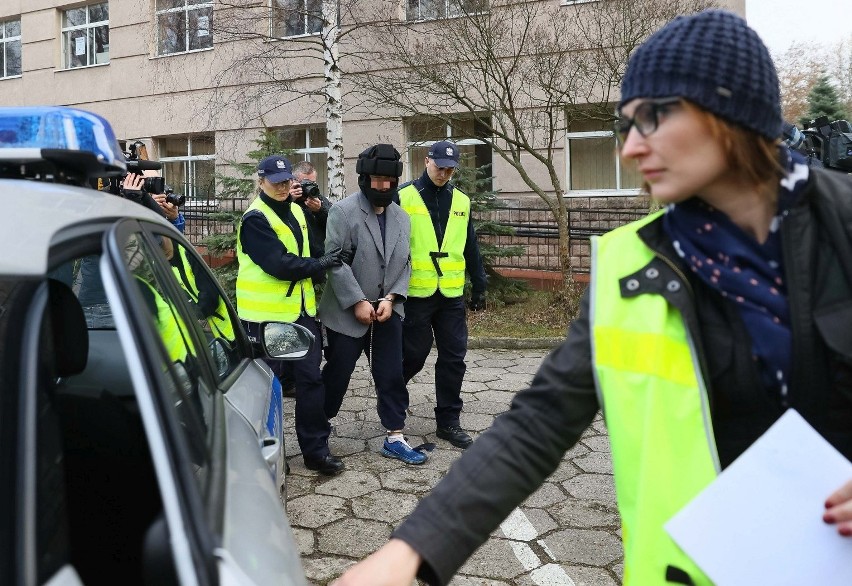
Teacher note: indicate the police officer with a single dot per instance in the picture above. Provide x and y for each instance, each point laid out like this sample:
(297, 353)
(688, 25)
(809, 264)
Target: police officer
(275, 283)
(443, 246)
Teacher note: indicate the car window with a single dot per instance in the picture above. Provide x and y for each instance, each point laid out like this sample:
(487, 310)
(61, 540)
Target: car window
(179, 353)
(210, 310)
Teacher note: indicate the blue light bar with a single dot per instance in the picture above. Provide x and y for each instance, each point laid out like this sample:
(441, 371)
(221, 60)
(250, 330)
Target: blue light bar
(25, 131)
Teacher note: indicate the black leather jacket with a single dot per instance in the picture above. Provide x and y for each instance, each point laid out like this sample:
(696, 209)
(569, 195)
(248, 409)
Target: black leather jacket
(507, 463)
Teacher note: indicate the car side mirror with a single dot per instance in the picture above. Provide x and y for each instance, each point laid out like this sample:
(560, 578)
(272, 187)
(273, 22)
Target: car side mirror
(286, 341)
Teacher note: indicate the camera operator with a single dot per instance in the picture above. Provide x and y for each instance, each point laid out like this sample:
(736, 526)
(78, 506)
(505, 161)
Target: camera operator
(305, 192)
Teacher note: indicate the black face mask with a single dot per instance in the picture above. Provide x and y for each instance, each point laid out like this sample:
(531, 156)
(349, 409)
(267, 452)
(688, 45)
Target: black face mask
(381, 199)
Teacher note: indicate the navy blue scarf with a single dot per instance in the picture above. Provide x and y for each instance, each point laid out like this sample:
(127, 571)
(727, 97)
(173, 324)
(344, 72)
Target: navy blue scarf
(747, 273)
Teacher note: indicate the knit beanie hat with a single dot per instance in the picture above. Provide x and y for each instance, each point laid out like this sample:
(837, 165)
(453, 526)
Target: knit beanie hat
(714, 60)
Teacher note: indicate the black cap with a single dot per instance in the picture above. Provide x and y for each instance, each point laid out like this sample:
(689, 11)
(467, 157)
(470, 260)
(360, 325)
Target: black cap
(275, 169)
(445, 154)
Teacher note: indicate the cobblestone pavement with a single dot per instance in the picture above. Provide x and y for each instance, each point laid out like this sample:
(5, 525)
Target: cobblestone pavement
(566, 534)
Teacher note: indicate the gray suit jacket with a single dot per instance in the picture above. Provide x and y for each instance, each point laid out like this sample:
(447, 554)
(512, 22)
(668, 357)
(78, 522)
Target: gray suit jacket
(353, 225)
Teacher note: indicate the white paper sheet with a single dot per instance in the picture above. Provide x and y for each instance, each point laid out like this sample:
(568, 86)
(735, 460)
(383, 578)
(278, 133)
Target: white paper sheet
(760, 521)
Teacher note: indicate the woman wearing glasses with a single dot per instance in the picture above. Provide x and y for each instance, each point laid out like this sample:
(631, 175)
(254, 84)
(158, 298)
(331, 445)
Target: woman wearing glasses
(702, 325)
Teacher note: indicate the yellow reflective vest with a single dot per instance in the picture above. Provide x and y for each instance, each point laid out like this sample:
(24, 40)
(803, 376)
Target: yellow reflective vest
(656, 407)
(262, 297)
(220, 322)
(432, 267)
(171, 327)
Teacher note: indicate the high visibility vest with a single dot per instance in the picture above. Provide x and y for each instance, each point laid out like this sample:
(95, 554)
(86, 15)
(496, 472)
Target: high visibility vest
(220, 321)
(171, 327)
(655, 404)
(262, 297)
(434, 267)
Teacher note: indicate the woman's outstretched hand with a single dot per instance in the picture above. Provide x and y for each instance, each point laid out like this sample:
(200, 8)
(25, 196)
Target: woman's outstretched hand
(394, 564)
(838, 510)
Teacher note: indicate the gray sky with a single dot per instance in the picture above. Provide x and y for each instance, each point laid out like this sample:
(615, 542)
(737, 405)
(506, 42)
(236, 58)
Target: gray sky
(780, 23)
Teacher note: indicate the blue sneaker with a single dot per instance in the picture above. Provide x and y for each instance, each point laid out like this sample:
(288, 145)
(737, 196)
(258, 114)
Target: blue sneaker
(402, 451)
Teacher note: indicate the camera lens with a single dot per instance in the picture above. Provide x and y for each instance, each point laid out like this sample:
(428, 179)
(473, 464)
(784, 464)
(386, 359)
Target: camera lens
(177, 200)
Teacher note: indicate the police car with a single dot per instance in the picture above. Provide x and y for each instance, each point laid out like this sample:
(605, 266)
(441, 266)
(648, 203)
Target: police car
(140, 441)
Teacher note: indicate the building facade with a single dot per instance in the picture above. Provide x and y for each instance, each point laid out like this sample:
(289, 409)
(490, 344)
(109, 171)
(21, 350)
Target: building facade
(163, 71)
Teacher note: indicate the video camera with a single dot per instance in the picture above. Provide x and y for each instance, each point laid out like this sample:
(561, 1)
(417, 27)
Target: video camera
(309, 188)
(829, 142)
(150, 185)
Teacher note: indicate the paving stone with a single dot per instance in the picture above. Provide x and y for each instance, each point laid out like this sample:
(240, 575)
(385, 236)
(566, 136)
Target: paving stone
(345, 446)
(321, 570)
(357, 538)
(497, 396)
(472, 581)
(598, 443)
(304, 540)
(546, 496)
(495, 559)
(415, 480)
(484, 374)
(565, 471)
(541, 520)
(475, 421)
(384, 505)
(597, 462)
(584, 515)
(491, 408)
(350, 484)
(598, 487)
(474, 387)
(298, 484)
(589, 547)
(582, 576)
(315, 510)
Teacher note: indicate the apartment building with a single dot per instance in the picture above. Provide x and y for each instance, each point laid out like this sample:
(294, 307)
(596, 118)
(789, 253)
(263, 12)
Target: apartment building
(174, 74)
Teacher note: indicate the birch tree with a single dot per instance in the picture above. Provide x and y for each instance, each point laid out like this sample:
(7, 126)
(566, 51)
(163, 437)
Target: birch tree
(522, 70)
(282, 54)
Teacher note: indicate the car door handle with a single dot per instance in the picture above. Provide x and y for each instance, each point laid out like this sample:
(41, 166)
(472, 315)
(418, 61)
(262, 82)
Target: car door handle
(271, 450)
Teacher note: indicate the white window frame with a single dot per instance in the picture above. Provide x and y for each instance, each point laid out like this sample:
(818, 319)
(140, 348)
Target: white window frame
(4, 42)
(186, 8)
(308, 149)
(88, 25)
(304, 23)
(447, 14)
(618, 191)
(189, 158)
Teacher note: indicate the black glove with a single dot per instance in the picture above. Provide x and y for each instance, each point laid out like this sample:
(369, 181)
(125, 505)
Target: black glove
(330, 260)
(346, 256)
(477, 302)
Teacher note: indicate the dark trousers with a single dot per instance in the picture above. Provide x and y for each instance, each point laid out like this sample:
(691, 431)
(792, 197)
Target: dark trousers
(343, 352)
(444, 320)
(312, 427)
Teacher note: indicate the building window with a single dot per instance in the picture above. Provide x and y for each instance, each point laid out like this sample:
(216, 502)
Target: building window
(469, 134)
(189, 165)
(593, 164)
(293, 18)
(435, 9)
(308, 144)
(184, 26)
(10, 48)
(85, 36)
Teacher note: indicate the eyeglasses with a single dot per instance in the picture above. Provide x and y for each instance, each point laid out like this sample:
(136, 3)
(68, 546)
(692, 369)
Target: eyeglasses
(646, 118)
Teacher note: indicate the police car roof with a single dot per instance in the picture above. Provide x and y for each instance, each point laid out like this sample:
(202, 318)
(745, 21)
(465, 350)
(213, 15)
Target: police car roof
(37, 213)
